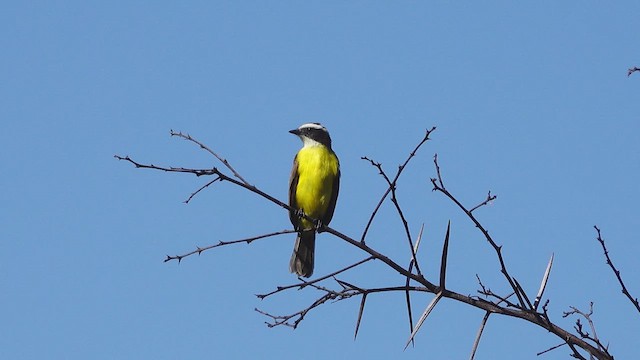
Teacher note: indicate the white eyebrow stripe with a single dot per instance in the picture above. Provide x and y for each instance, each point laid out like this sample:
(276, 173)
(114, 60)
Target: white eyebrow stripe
(312, 126)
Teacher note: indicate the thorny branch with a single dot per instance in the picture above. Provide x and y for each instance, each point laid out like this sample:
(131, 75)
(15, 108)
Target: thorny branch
(394, 200)
(492, 304)
(199, 249)
(394, 181)
(292, 320)
(438, 185)
(483, 323)
(408, 293)
(206, 148)
(633, 300)
(579, 328)
(220, 176)
(303, 283)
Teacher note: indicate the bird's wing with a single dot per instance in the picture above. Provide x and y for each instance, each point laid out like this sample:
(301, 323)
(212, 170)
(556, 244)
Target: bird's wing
(293, 184)
(334, 198)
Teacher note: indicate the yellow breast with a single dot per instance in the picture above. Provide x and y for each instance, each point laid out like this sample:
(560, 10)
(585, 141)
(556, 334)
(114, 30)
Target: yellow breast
(317, 169)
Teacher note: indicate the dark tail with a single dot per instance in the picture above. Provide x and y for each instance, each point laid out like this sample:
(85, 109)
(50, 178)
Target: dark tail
(302, 258)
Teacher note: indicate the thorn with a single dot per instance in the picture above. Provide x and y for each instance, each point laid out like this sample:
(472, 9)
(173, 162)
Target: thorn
(361, 311)
(426, 313)
(443, 262)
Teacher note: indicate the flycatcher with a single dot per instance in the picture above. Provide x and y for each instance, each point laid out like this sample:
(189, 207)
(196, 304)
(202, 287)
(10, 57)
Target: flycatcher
(313, 190)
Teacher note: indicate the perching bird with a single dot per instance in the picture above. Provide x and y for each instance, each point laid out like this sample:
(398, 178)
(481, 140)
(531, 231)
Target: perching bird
(313, 189)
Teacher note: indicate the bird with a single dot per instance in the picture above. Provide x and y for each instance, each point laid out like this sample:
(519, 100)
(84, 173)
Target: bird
(313, 191)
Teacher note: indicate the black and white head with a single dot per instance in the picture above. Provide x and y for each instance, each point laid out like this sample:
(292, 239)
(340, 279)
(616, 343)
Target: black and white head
(313, 134)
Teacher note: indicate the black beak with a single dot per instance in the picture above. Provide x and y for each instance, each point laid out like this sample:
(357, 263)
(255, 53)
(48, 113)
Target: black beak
(295, 131)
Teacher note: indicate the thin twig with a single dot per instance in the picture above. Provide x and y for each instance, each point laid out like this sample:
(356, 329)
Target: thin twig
(633, 300)
(206, 148)
(200, 189)
(199, 250)
(400, 169)
(579, 329)
(196, 172)
(221, 177)
(438, 185)
(395, 202)
(298, 316)
(405, 224)
(435, 161)
(303, 284)
(348, 291)
(489, 199)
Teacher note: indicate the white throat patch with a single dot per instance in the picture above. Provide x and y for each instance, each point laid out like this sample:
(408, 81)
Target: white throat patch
(309, 142)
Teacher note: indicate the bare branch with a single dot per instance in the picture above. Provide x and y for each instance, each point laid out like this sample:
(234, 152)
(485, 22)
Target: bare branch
(206, 148)
(303, 283)
(438, 185)
(393, 182)
(348, 291)
(392, 264)
(579, 328)
(489, 199)
(488, 293)
(633, 300)
(221, 177)
(395, 202)
(405, 224)
(200, 189)
(435, 161)
(297, 317)
(576, 354)
(196, 172)
(199, 250)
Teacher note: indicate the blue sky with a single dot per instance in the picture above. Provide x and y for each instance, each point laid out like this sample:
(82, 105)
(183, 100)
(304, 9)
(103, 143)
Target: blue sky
(531, 102)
